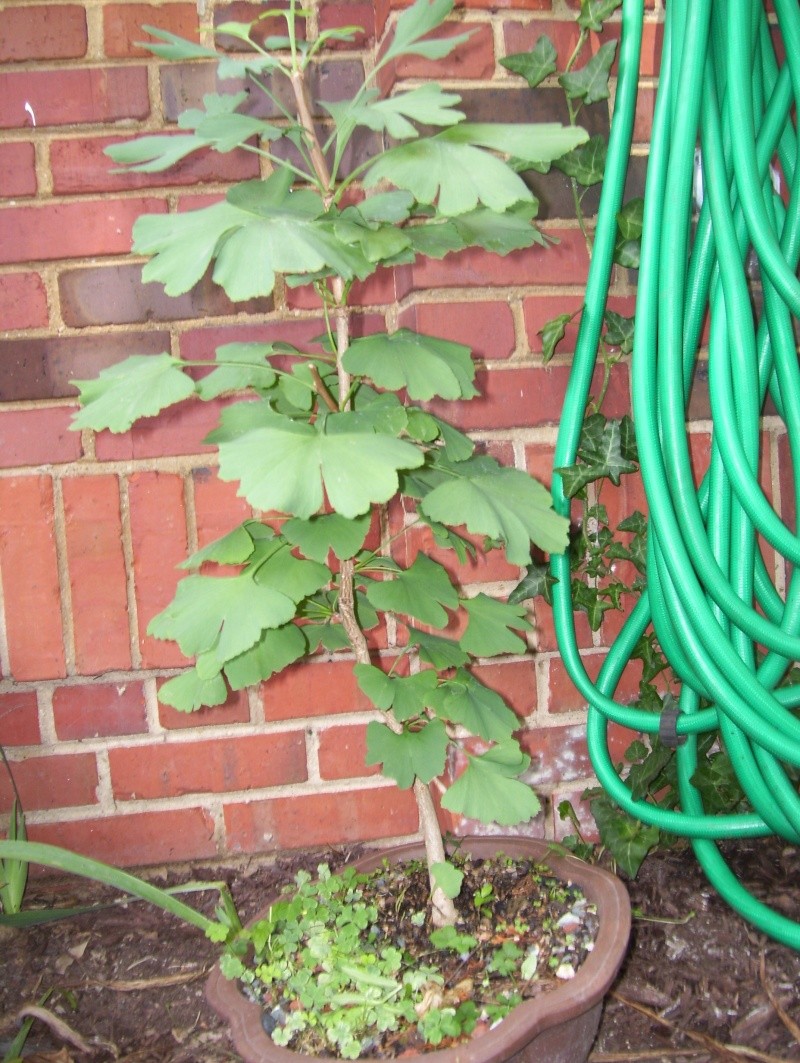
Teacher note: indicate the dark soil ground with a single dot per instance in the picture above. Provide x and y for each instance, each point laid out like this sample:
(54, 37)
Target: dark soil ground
(699, 983)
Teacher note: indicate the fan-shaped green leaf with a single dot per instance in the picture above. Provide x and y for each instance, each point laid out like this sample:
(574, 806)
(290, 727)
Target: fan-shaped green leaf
(437, 651)
(426, 104)
(231, 549)
(140, 386)
(489, 791)
(329, 531)
(276, 648)
(416, 22)
(421, 591)
(505, 504)
(464, 700)
(239, 366)
(489, 630)
(409, 755)
(500, 233)
(423, 365)
(406, 696)
(188, 692)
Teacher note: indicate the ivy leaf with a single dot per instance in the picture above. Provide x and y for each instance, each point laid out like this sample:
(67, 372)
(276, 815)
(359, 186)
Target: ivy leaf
(329, 531)
(277, 648)
(407, 696)
(188, 692)
(464, 700)
(422, 591)
(426, 104)
(504, 504)
(239, 366)
(410, 755)
(553, 333)
(423, 365)
(140, 386)
(591, 601)
(594, 13)
(627, 839)
(619, 331)
(415, 23)
(604, 450)
(535, 65)
(225, 614)
(537, 582)
(590, 83)
(285, 465)
(489, 791)
(440, 652)
(489, 630)
(586, 163)
(630, 222)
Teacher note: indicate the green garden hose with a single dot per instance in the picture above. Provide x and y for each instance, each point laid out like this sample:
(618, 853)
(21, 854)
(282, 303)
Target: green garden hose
(729, 629)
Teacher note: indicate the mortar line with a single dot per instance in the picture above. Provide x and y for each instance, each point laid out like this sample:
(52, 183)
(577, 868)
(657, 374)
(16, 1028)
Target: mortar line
(127, 556)
(62, 568)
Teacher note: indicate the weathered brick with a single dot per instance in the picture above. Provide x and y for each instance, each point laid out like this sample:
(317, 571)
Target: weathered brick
(218, 508)
(19, 719)
(116, 295)
(177, 768)
(71, 230)
(359, 13)
(23, 301)
(474, 58)
(42, 31)
(343, 751)
(313, 690)
(487, 328)
(178, 430)
(509, 398)
(122, 25)
(319, 819)
(235, 710)
(99, 710)
(30, 578)
(80, 165)
(52, 782)
(558, 754)
(73, 95)
(38, 436)
(17, 169)
(128, 840)
(515, 681)
(96, 573)
(158, 533)
(564, 263)
(44, 367)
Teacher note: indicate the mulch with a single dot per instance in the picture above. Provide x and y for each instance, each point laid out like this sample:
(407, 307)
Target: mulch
(126, 982)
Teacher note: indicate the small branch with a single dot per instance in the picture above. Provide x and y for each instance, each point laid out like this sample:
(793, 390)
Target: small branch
(321, 390)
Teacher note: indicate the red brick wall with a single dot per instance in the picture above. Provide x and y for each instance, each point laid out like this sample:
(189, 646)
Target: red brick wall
(92, 527)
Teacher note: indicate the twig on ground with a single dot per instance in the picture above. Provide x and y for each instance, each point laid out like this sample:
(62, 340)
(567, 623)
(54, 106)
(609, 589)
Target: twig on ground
(785, 1018)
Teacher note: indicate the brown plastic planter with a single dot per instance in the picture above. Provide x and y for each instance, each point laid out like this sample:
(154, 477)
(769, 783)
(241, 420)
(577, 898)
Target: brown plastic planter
(557, 1027)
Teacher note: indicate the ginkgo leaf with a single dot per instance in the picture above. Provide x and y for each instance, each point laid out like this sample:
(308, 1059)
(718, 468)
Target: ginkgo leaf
(407, 696)
(489, 791)
(276, 648)
(500, 233)
(410, 755)
(464, 700)
(505, 504)
(426, 104)
(140, 386)
(440, 652)
(329, 531)
(188, 692)
(423, 365)
(231, 549)
(225, 614)
(152, 154)
(285, 465)
(489, 630)
(421, 591)
(416, 22)
(239, 366)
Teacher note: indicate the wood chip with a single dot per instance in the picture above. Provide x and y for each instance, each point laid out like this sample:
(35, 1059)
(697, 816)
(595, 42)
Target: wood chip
(785, 1018)
(57, 1026)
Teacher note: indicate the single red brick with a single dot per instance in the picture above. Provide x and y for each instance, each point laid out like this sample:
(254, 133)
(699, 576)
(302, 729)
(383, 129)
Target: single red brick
(81, 166)
(522, 36)
(177, 430)
(343, 752)
(215, 766)
(19, 719)
(474, 58)
(38, 436)
(71, 230)
(158, 533)
(96, 573)
(652, 45)
(539, 309)
(218, 508)
(565, 698)
(319, 819)
(564, 263)
(52, 782)
(377, 290)
(73, 95)
(545, 637)
(484, 568)
(558, 754)
(99, 710)
(42, 31)
(316, 689)
(487, 328)
(18, 169)
(23, 301)
(122, 25)
(30, 578)
(514, 681)
(354, 13)
(128, 840)
(509, 398)
(235, 710)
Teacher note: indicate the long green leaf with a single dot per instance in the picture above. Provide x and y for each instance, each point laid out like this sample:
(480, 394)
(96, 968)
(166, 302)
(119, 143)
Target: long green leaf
(140, 386)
